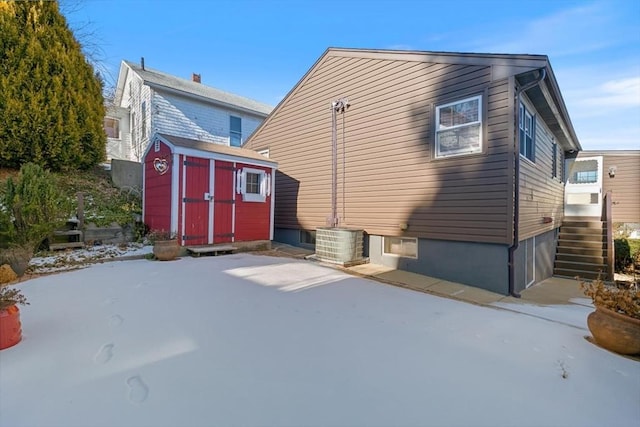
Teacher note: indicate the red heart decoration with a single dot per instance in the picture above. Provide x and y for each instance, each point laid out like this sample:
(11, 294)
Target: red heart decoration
(161, 166)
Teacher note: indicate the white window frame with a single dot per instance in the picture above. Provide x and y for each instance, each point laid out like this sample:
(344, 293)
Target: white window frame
(400, 255)
(235, 133)
(117, 121)
(264, 182)
(143, 119)
(525, 113)
(441, 129)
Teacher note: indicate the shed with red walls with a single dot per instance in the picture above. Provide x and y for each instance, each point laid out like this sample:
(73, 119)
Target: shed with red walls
(206, 193)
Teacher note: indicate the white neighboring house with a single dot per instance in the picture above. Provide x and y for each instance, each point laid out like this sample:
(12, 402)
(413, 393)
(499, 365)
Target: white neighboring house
(149, 101)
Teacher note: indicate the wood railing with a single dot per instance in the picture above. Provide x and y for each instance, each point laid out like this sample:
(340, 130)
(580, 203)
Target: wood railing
(608, 223)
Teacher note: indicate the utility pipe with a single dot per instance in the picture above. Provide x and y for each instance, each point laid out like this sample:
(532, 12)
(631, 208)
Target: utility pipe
(338, 106)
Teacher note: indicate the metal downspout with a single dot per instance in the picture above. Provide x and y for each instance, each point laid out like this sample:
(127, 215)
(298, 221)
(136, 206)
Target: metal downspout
(516, 172)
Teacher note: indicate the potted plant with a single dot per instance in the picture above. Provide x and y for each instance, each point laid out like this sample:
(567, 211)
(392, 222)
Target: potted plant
(615, 325)
(10, 327)
(165, 245)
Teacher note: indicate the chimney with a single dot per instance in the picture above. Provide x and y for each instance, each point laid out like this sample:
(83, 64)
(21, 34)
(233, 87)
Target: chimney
(142, 62)
(196, 78)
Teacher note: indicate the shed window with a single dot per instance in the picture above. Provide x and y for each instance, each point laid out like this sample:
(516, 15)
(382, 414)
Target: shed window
(527, 133)
(112, 127)
(235, 131)
(401, 246)
(253, 184)
(459, 127)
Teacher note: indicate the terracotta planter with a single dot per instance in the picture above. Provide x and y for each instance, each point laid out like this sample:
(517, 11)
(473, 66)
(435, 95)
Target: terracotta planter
(166, 250)
(10, 327)
(614, 331)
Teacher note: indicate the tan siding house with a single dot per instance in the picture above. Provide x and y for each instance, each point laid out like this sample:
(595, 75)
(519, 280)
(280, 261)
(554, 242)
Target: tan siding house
(621, 176)
(428, 157)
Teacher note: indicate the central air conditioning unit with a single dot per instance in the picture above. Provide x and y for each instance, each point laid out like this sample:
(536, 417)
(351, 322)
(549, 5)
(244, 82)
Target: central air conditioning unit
(342, 246)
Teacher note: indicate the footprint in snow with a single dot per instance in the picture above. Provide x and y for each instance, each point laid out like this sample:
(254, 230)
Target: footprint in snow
(110, 301)
(138, 390)
(115, 320)
(104, 354)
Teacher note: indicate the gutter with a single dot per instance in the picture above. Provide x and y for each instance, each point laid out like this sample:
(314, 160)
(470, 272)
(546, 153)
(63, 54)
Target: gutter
(516, 195)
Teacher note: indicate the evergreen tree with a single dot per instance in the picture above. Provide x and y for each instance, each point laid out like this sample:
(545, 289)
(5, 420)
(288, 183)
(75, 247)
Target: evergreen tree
(51, 104)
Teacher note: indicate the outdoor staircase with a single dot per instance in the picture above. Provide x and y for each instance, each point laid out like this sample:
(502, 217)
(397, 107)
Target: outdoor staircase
(582, 249)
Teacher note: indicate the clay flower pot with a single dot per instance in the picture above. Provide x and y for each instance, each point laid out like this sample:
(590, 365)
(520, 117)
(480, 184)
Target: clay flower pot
(10, 327)
(615, 331)
(166, 250)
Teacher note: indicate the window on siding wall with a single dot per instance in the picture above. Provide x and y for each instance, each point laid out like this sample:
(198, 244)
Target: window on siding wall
(112, 127)
(235, 131)
(143, 119)
(527, 133)
(554, 160)
(401, 246)
(133, 126)
(459, 127)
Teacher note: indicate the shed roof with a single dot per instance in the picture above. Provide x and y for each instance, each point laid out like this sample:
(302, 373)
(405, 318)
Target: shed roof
(159, 79)
(214, 148)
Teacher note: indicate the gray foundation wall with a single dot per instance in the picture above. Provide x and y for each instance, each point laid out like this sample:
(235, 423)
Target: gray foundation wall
(289, 236)
(481, 265)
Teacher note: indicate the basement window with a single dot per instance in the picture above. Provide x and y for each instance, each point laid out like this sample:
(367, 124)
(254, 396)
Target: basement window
(459, 127)
(401, 246)
(308, 237)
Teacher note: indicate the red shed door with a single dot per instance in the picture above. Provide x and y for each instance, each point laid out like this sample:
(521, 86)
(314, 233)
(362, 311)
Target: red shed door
(195, 201)
(223, 203)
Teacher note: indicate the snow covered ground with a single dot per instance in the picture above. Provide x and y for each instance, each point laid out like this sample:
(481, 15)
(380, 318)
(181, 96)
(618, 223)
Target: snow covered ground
(245, 340)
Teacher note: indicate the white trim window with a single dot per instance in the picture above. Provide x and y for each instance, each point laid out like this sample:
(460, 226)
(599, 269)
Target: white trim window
(112, 127)
(253, 184)
(235, 131)
(527, 133)
(400, 246)
(459, 127)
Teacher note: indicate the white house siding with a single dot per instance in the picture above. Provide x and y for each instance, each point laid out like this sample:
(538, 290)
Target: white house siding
(189, 118)
(541, 194)
(120, 148)
(135, 93)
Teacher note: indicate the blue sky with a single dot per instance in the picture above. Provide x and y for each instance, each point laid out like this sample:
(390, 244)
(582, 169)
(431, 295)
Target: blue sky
(260, 49)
